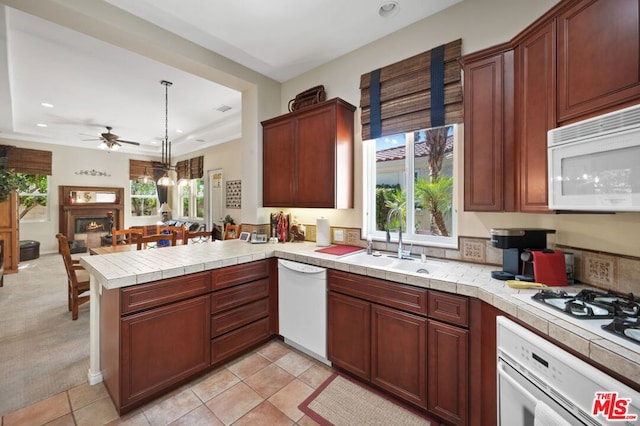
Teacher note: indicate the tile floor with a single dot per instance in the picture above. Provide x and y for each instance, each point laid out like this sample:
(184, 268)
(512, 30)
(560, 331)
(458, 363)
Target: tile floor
(264, 387)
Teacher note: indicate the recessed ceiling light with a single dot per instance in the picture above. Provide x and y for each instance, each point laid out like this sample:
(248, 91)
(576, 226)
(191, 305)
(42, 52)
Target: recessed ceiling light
(178, 131)
(388, 9)
(41, 125)
(46, 105)
(223, 108)
(200, 140)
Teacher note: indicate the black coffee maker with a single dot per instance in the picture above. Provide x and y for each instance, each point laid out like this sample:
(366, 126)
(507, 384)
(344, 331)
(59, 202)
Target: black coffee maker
(513, 241)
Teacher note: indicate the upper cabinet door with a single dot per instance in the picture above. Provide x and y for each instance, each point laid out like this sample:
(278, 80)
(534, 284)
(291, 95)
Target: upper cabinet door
(315, 159)
(277, 166)
(308, 157)
(536, 114)
(488, 94)
(598, 56)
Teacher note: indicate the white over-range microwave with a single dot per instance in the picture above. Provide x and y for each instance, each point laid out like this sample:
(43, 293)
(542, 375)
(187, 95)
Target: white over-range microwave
(594, 164)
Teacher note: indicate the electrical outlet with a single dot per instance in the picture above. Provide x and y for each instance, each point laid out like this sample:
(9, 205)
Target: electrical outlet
(338, 235)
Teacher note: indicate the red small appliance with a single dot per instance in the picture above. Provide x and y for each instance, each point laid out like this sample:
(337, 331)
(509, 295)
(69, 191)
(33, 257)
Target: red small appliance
(549, 267)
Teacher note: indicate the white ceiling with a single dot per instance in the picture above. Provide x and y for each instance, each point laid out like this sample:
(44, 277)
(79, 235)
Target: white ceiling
(93, 84)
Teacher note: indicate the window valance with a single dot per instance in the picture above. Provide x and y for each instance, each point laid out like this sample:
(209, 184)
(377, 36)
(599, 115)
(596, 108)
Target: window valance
(419, 92)
(139, 168)
(186, 169)
(191, 168)
(23, 160)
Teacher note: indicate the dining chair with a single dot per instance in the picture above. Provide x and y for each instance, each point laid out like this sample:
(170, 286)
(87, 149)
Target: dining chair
(232, 232)
(77, 277)
(128, 236)
(179, 230)
(196, 237)
(153, 241)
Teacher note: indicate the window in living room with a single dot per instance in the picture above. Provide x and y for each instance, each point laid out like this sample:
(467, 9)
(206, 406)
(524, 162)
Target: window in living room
(34, 199)
(144, 198)
(425, 201)
(191, 193)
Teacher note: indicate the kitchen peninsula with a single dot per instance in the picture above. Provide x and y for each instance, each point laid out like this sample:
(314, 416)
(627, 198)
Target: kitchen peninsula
(190, 280)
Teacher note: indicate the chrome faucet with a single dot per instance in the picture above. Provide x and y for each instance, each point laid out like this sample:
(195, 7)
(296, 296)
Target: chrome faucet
(398, 213)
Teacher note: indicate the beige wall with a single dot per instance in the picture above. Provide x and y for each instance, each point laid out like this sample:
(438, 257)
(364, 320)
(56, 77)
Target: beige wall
(228, 158)
(480, 24)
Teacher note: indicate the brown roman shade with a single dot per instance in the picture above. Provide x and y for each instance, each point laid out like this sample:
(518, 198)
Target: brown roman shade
(182, 169)
(408, 97)
(195, 167)
(190, 169)
(28, 161)
(138, 168)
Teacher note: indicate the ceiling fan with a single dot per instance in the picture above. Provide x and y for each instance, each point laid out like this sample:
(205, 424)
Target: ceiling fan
(111, 140)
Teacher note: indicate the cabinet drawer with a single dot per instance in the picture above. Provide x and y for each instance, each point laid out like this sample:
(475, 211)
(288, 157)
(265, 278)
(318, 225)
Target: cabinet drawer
(236, 341)
(239, 295)
(449, 307)
(145, 296)
(235, 318)
(238, 274)
(404, 297)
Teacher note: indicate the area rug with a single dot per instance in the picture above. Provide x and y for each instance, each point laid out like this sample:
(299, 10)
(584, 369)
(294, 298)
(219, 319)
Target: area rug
(42, 351)
(340, 401)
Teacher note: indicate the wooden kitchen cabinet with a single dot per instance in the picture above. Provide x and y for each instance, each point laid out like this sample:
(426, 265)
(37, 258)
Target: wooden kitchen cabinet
(374, 327)
(489, 159)
(580, 59)
(163, 346)
(308, 157)
(240, 309)
(372, 341)
(536, 113)
(448, 356)
(399, 353)
(349, 334)
(154, 336)
(598, 56)
(411, 342)
(448, 365)
(10, 233)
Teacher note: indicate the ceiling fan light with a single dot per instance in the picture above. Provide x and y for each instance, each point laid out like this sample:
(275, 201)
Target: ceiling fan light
(103, 145)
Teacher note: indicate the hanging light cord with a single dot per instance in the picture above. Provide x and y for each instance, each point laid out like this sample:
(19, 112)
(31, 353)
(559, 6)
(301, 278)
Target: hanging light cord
(166, 146)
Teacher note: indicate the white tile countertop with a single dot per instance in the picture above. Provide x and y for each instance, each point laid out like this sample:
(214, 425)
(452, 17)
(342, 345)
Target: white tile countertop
(137, 267)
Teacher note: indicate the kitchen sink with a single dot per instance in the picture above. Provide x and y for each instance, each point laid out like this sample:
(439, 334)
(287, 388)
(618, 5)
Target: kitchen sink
(390, 262)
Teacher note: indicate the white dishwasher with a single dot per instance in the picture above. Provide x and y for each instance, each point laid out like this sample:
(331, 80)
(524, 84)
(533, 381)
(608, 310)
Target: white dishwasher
(302, 307)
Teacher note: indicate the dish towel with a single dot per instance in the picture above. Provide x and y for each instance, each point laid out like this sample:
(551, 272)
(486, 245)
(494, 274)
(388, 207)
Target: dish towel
(545, 416)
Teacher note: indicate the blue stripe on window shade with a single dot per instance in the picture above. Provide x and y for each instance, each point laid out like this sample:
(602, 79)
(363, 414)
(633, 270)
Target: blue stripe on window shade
(437, 86)
(375, 118)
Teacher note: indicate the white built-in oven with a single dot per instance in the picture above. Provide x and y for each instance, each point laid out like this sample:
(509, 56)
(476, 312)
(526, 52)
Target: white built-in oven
(594, 164)
(541, 384)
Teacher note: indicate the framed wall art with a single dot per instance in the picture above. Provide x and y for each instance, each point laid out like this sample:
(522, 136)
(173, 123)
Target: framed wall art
(234, 194)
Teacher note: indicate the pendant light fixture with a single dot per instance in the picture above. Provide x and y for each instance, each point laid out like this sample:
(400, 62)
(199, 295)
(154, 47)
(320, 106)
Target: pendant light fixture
(145, 177)
(166, 180)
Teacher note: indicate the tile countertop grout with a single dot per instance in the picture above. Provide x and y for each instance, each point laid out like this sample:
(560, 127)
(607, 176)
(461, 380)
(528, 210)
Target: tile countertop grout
(468, 279)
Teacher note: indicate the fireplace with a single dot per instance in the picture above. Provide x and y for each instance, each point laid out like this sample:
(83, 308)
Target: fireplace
(91, 224)
(84, 213)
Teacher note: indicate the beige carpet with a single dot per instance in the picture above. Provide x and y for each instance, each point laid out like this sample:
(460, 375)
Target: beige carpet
(340, 401)
(42, 351)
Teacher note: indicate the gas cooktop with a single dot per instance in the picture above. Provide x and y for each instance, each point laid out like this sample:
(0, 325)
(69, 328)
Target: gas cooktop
(605, 313)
